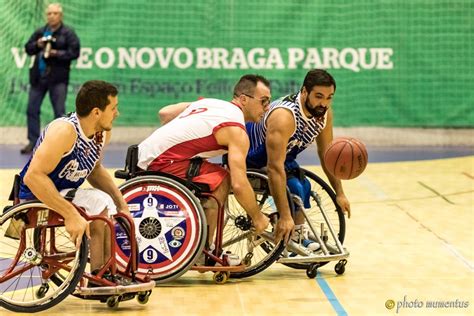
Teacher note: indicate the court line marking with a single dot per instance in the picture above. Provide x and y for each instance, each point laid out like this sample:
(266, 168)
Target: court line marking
(336, 305)
(373, 188)
(467, 175)
(241, 301)
(448, 245)
(435, 192)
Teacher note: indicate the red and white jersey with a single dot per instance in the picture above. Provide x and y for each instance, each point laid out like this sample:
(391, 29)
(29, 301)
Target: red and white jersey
(190, 134)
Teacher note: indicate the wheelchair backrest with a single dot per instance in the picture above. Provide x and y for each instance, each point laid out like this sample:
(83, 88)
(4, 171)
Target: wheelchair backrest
(131, 161)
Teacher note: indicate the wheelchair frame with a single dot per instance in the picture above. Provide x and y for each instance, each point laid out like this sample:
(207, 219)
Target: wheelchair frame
(305, 259)
(199, 191)
(49, 261)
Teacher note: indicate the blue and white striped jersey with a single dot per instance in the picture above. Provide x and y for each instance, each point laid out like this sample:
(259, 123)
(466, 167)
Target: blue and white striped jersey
(75, 165)
(306, 131)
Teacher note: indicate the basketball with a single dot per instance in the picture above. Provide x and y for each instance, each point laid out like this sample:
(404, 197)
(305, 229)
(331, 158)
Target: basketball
(346, 158)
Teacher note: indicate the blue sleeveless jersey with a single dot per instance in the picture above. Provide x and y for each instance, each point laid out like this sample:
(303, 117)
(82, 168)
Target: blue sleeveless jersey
(76, 165)
(306, 131)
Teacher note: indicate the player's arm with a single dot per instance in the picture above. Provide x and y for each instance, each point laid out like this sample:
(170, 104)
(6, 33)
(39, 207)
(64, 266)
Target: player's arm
(323, 140)
(102, 180)
(280, 127)
(171, 111)
(237, 142)
(59, 139)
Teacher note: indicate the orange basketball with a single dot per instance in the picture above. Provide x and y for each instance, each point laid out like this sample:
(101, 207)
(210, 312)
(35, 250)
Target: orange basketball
(346, 158)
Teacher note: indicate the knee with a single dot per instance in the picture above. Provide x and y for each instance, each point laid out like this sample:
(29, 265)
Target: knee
(103, 202)
(209, 204)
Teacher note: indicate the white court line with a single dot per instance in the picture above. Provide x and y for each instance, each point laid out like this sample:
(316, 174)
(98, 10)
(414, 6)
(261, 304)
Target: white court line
(241, 301)
(373, 188)
(456, 253)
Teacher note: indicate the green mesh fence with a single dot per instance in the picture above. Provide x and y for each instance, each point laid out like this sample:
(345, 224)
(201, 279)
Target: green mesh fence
(396, 63)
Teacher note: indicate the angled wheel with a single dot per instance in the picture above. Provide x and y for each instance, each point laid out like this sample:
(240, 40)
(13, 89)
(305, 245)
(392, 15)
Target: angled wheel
(170, 227)
(256, 251)
(322, 196)
(34, 249)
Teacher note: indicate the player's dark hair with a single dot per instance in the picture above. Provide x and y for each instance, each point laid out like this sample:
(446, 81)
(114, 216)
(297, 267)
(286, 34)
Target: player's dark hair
(318, 77)
(94, 94)
(247, 84)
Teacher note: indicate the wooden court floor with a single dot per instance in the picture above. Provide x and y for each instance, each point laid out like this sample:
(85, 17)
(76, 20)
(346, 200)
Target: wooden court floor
(411, 241)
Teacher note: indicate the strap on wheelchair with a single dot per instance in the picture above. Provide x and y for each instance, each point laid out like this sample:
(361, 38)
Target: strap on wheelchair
(70, 194)
(193, 171)
(193, 168)
(15, 192)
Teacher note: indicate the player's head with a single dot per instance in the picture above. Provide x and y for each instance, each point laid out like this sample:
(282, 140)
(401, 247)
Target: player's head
(54, 14)
(252, 92)
(317, 92)
(98, 100)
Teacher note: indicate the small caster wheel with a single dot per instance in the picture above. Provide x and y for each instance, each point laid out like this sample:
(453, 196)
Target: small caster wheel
(143, 297)
(340, 267)
(113, 301)
(220, 277)
(42, 290)
(312, 271)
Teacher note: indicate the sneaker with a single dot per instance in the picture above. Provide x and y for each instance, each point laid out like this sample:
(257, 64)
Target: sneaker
(232, 259)
(202, 258)
(300, 236)
(117, 279)
(28, 149)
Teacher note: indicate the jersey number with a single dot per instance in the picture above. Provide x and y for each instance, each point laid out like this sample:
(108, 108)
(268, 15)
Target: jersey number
(194, 111)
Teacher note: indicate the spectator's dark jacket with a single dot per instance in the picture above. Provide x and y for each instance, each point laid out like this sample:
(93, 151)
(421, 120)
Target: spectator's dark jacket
(57, 68)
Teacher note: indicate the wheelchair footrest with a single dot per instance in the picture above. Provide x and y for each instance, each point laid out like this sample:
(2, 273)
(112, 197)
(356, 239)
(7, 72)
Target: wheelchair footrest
(314, 258)
(238, 268)
(115, 290)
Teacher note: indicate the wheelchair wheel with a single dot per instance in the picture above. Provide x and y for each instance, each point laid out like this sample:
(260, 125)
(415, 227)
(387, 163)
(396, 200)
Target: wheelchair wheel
(35, 249)
(256, 251)
(322, 192)
(171, 227)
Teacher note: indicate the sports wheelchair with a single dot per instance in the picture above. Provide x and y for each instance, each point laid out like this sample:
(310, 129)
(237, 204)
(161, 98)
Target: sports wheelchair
(171, 224)
(40, 266)
(324, 219)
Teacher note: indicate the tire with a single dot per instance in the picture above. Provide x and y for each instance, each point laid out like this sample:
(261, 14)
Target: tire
(36, 257)
(154, 200)
(238, 238)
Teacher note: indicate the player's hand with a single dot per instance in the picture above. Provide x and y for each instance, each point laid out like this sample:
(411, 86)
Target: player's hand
(344, 204)
(260, 223)
(123, 208)
(76, 226)
(284, 229)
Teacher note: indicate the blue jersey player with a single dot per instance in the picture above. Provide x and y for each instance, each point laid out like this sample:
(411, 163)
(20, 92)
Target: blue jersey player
(67, 153)
(292, 124)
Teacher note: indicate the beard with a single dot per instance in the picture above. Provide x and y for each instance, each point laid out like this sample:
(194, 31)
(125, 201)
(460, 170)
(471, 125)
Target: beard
(317, 111)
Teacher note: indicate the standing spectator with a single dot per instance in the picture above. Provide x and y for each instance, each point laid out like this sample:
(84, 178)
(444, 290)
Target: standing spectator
(54, 45)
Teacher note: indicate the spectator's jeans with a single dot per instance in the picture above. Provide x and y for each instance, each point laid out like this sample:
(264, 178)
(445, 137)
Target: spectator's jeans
(57, 95)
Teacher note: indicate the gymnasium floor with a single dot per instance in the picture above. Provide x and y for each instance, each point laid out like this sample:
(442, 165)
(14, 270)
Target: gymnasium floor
(410, 236)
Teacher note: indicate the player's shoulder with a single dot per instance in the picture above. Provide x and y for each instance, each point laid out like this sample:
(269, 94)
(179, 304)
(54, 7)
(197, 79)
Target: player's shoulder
(61, 127)
(211, 102)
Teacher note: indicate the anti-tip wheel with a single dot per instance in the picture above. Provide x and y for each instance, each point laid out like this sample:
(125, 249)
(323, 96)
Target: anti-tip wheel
(340, 267)
(220, 277)
(312, 271)
(143, 298)
(113, 301)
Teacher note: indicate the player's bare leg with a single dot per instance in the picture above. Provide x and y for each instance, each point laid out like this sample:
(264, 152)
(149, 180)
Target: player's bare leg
(210, 207)
(97, 243)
